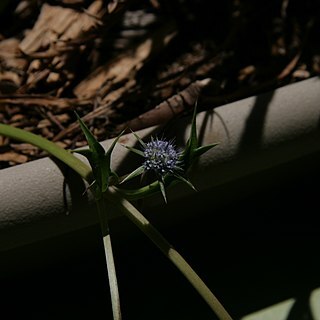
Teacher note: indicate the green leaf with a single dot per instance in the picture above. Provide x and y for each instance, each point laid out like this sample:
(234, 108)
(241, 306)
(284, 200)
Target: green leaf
(192, 143)
(139, 193)
(163, 191)
(193, 140)
(94, 145)
(137, 151)
(133, 174)
(185, 181)
(192, 150)
(201, 150)
(97, 158)
(109, 151)
(107, 164)
(139, 139)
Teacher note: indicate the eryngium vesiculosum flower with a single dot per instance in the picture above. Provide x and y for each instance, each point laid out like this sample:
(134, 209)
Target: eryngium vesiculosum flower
(161, 157)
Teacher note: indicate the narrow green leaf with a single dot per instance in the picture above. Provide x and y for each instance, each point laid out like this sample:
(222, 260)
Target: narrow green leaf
(133, 174)
(94, 145)
(163, 191)
(139, 139)
(149, 190)
(192, 150)
(114, 143)
(105, 163)
(139, 193)
(193, 140)
(185, 181)
(201, 150)
(192, 143)
(89, 187)
(137, 151)
(97, 158)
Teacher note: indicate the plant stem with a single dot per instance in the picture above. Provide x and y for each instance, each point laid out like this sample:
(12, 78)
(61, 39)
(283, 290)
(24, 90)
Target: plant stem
(86, 173)
(52, 148)
(146, 191)
(114, 290)
(132, 213)
(148, 229)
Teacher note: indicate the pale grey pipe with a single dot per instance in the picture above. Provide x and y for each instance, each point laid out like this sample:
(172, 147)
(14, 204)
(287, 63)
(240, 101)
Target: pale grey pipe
(39, 201)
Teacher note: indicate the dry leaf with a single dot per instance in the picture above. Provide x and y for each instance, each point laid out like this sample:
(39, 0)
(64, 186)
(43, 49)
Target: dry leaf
(12, 156)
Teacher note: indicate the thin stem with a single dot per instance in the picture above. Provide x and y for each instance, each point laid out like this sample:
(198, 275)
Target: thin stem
(132, 213)
(86, 173)
(52, 148)
(148, 229)
(113, 283)
(146, 191)
(72, 161)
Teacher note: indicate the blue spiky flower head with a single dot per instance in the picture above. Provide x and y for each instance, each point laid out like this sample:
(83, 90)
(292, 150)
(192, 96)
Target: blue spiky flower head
(160, 156)
(169, 165)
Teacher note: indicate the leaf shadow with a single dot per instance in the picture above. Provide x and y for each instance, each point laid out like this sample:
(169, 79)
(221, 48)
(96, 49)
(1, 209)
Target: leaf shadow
(75, 197)
(301, 308)
(252, 135)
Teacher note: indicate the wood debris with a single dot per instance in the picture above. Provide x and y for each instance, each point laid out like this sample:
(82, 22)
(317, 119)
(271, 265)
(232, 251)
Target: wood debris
(168, 109)
(13, 157)
(128, 63)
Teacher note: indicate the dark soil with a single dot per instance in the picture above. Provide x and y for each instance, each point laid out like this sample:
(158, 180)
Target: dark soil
(113, 61)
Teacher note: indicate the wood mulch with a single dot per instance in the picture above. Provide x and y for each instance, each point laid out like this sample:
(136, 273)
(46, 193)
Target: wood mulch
(129, 63)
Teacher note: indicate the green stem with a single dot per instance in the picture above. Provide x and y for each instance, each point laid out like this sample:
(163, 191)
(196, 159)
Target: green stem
(72, 161)
(52, 148)
(131, 212)
(146, 191)
(148, 229)
(85, 172)
(113, 283)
